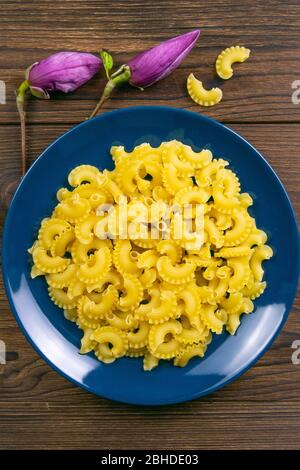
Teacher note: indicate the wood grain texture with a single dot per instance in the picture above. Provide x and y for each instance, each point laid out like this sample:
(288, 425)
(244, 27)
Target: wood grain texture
(259, 91)
(39, 408)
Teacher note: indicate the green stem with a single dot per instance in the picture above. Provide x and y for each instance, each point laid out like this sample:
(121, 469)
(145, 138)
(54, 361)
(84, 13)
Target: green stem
(20, 100)
(123, 76)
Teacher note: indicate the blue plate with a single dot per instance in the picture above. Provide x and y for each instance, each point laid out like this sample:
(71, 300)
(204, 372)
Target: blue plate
(57, 340)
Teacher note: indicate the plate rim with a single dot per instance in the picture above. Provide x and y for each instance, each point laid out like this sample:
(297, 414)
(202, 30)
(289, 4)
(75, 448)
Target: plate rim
(86, 387)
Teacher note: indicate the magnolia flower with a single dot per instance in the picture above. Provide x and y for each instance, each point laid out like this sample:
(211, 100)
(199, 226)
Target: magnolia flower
(149, 66)
(63, 71)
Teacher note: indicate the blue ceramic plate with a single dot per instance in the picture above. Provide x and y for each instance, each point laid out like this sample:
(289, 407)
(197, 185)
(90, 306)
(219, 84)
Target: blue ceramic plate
(57, 340)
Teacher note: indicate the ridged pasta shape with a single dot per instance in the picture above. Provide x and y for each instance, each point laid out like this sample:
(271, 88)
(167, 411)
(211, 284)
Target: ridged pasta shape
(175, 274)
(201, 95)
(228, 57)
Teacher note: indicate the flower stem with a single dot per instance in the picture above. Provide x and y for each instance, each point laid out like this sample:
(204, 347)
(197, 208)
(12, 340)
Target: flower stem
(20, 100)
(121, 76)
(105, 95)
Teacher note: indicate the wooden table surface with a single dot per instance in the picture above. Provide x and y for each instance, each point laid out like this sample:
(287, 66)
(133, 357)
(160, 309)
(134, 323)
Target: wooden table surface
(39, 408)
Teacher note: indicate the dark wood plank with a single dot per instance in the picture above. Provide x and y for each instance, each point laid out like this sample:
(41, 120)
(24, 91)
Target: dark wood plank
(40, 409)
(260, 90)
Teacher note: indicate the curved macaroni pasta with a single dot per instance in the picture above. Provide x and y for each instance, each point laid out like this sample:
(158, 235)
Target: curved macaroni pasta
(200, 95)
(153, 294)
(227, 57)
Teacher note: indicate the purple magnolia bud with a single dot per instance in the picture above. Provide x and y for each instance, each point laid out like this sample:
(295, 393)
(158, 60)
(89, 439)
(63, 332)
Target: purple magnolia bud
(150, 66)
(154, 64)
(63, 71)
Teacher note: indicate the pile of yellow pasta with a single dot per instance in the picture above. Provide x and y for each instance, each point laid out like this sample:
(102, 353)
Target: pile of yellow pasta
(155, 298)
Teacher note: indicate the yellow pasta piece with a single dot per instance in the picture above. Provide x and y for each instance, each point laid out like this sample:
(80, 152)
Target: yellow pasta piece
(150, 361)
(71, 314)
(206, 176)
(50, 230)
(215, 235)
(84, 321)
(96, 267)
(62, 242)
(190, 300)
(229, 56)
(121, 320)
(219, 286)
(192, 195)
(112, 277)
(171, 154)
(132, 293)
(166, 309)
(147, 259)
(87, 190)
(107, 335)
(229, 181)
(138, 337)
(159, 193)
(210, 319)
(146, 306)
(242, 225)
(64, 278)
(233, 320)
(189, 334)
(233, 303)
(160, 345)
(148, 277)
(186, 354)
(256, 237)
(241, 273)
(136, 352)
(222, 221)
(82, 252)
(175, 274)
(102, 308)
(233, 252)
(83, 174)
(206, 295)
(224, 203)
(122, 259)
(187, 232)
(255, 291)
(63, 193)
(87, 344)
(200, 95)
(260, 254)
(196, 159)
(60, 298)
(103, 353)
(47, 263)
(73, 209)
(245, 200)
(84, 229)
(171, 249)
(172, 179)
(35, 272)
(111, 186)
(76, 288)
